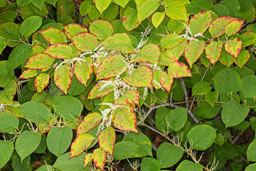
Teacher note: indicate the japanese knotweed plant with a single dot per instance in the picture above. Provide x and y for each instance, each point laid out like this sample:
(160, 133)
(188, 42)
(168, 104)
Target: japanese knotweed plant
(125, 70)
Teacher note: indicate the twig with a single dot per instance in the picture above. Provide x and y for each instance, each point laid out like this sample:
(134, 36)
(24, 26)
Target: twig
(185, 91)
(237, 137)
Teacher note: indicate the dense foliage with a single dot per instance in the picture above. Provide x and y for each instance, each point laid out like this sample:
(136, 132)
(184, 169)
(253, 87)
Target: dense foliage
(127, 85)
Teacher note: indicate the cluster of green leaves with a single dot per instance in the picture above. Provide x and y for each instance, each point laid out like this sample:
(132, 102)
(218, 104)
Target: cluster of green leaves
(103, 78)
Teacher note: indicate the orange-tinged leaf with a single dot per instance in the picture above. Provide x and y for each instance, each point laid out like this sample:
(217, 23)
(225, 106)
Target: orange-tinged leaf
(213, 51)
(29, 73)
(83, 70)
(59, 51)
(80, 144)
(125, 119)
(200, 22)
(171, 40)
(100, 90)
(41, 81)
(39, 61)
(233, 47)
(217, 26)
(193, 51)
(73, 29)
(243, 58)
(63, 77)
(101, 28)
(150, 53)
(234, 26)
(111, 66)
(99, 158)
(87, 159)
(166, 81)
(141, 77)
(88, 123)
(176, 52)
(54, 35)
(85, 42)
(107, 139)
(129, 97)
(179, 70)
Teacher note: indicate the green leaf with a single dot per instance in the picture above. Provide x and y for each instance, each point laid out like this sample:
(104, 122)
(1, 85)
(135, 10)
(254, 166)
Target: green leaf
(85, 42)
(26, 143)
(186, 165)
(130, 19)
(227, 81)
(249, 86)
(201, 88)
(150, 164)
(193, 51)
(7, 95)
(213, 51)
(119, 42)
(102, 5)
(178, 70)
(59, 139)
(251, 167)
(54, 35)
(200, 22)
(100, 90)
(157, 18)
(88, 123)
(243, 58)
(101, 29)
(121, 3)
(107, 139)
(176, 119)
(171, 40)
(10, 31)
(52, 2)
(250, 153)
(99, 158)
(145, 8)
(73, 29)
(3, 44)
(233, 47)
(59, 51)
(226, 59)
(22, 3)
(29, 73)
(45, 168)
(63, 77)
(234, 26)
(248, 38)
(125, 150)
(168, 154)
(166, 81)
(80, 144)
(160, 121)
(217, 27)
(67, 106)
(35, 112)
(177, 51)
(176, 10)
(201, 137)
(39, 61)
(83, 70)
(211, 98)
(141, 77)
(111, 66)
(8, 123)
(19, 56)
(38, 3)
(233, 113)
(6, 149)
(30, 25)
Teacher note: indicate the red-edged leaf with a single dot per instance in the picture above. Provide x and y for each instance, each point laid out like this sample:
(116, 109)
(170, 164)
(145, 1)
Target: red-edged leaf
(99, 158)
(41, 82)
(54, 35)
(165, 60)
(129, 97)
(100, 90)
(156, 78)
(150, 53)
(178, 70)
(107, 139)
(80, 144)
(243, 58)
(176, 52)
(59, 51)
(200, 22)
(234, 26)
(119, 42)
(217, 27)
(39, 61)
(85, 42)
(73, 29)
(125, 119)
(233, 47)
(88, 123)
(171, 40)
(63, 77)
(130, 19)
(141, 77)
(166, 81)
(193, 51)
(87, 159)
(83, 70)
(111, 66)
(28, 74)
(101, 29)
(213, 51)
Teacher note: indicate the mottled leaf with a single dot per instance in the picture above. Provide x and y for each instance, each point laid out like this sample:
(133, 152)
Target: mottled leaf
(41, 82)
(200, 22)
(243, 58)
(213, 51)
(107, 139)
(88, 123)
(217, 27)
(166, 81)
(59, 51)
(129, 97)
(73, 29)
(234, 26)
(39, 61)
(99, 90)
(101, 29)
(63, 77)
(99, 158)
(178, 70)
(28, 74)
(85, 42)
(80, 144)
(83, 70)
(171, 40)
(130, 19)
(193, 51)
(176, 52)
(233, 47)
(87, 159)
(54, 35)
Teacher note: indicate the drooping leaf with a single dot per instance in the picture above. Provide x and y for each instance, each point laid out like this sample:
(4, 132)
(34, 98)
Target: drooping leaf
(178, 70)
(141, 77)
(129, 97)
(200, 22)
(85, 42)
(157, 18)
(6, 149)
(41, 82)
(107, 139)
(99, 90)
(80, 144)
(176, 10)
(29, 73)
(63, 77)
(39, 61)
(102, 5)
(101, 29)
(88, 123)
(233, 27)
(243, 58)
(193, 51)
(166, 81)
(8, 123)
(176, 52)
(146, 8)
(73, 29)
(217, 27)
(233, 47)
(83, 70)
(122, 3)
(213, 51)
(130, 19)
(119, 42)
(99, 158)
(125, 119)
(30, 25)
(59, 51)
(171, 40)
(54, 35)
(111, 66)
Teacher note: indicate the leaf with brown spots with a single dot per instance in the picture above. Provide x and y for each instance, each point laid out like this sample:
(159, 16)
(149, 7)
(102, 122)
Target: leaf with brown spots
(85, 42)
(39, 61)
(29, 73)
(88, 123)
(63, 77)
(234, 26)
(107, 139)
(166, 81)
(99, 90)
(54, 35)
(83, 70)
(200, 22)
(101, 28)
(60, 51)
(41, 82)
(193, 51)
(80, 144)
(218, 26)
(99, 158)
(233, 47)
(73, 29)
(156, 78)
(213, 51)
(87, 159)
(129, 97)
(178, 70)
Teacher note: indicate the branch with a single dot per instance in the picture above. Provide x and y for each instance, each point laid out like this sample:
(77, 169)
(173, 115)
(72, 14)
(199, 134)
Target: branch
(185, 91)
